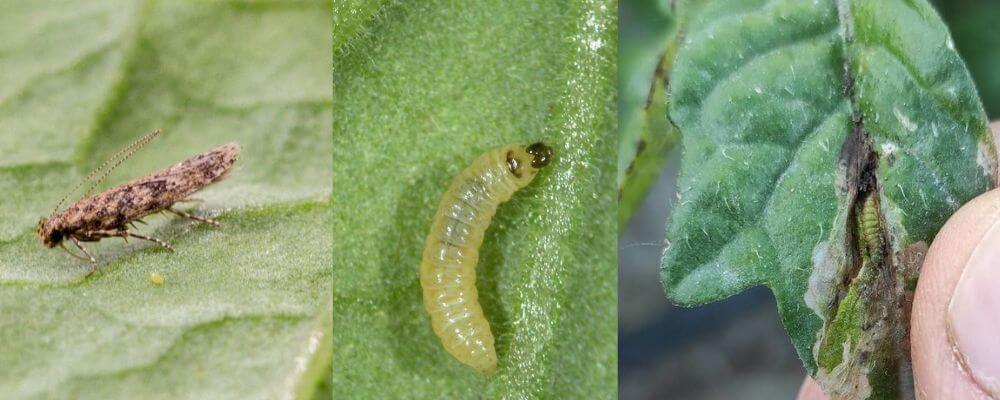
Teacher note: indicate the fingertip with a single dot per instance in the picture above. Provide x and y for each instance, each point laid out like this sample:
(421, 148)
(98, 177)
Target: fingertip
(810, 390)
(938, 371)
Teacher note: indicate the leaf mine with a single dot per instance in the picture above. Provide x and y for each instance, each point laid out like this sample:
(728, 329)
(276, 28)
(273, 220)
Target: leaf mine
(825, 143)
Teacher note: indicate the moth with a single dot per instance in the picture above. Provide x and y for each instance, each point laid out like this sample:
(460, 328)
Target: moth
(451, 252)
(112, 212)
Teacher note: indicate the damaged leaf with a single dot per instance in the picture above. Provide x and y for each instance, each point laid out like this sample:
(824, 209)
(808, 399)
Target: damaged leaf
(824, 145)
(647, 45)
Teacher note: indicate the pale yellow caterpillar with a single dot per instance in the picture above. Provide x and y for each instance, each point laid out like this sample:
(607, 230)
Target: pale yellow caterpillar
(448, 269)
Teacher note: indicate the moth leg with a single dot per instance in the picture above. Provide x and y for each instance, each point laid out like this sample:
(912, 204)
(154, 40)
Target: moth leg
(77, 256)
(190, 200)
(192, 217)
(93, 261)
(100, 234)
(149, 238)
(124, 234)
(132, 225)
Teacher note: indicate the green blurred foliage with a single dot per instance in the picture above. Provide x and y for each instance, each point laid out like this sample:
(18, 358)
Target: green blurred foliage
(973, 25)
(645, 53)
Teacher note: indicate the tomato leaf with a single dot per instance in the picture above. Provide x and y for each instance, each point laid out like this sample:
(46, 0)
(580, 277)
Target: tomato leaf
(793, 114)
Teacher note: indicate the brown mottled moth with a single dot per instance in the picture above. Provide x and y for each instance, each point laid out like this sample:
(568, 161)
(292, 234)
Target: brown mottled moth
(111, 212)
(448, 269)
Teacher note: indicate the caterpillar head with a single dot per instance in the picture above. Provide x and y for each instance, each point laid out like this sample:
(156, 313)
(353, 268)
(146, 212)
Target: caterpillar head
(524, 162)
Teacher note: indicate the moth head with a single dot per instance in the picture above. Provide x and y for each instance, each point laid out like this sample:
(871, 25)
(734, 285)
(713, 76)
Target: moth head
(49, 236)
(525, 161)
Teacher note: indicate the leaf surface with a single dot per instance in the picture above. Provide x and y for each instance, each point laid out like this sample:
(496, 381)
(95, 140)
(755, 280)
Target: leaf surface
(422, 90)
(971, 25)
(240, 305)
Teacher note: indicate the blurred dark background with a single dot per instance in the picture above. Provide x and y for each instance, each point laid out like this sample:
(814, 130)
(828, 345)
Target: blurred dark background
(737, 348)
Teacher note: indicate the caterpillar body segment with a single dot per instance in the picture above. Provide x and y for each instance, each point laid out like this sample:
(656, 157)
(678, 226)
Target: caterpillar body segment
(870, 225)
(451, 252)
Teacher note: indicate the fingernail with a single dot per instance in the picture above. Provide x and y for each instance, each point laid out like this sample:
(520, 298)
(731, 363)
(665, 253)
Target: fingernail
(974, 313)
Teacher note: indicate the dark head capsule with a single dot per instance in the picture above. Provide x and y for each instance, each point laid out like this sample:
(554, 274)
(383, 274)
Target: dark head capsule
(541, 154)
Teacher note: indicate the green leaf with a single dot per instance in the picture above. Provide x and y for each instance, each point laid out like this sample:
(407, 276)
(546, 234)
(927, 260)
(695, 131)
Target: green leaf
(656, 141)
(645, 53)
(972, 25)
(242, 306)
(422, 90)
(766, 94)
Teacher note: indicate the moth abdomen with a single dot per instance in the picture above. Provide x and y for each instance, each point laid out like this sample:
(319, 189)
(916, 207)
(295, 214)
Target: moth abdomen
(154, 192)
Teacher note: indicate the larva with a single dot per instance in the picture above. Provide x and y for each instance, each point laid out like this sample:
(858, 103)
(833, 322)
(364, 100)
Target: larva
(448, 268)
(870, 225)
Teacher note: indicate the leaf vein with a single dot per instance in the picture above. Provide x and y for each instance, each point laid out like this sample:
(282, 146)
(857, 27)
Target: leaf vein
(760, 55)
(921, 83)
(760, 214)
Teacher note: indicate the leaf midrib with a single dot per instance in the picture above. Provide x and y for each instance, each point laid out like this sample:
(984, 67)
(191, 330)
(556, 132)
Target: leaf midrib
(847, 41)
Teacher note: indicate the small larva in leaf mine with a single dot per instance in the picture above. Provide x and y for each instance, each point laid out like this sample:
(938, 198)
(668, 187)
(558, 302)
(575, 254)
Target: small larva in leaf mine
(871, 233)
(448, 268)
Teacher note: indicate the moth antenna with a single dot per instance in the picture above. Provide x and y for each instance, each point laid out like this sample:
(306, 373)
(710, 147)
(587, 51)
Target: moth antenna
(131, 149)
(124, 154)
